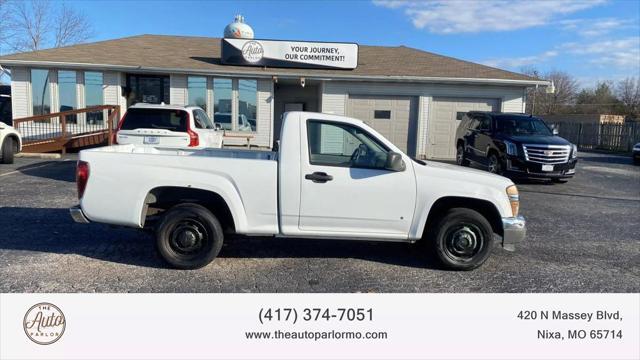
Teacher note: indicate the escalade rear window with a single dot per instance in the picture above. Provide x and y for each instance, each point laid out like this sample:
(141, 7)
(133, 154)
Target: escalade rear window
(173, 120)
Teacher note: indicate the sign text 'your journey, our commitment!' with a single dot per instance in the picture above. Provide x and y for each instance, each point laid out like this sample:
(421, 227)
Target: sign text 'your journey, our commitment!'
(296, 54)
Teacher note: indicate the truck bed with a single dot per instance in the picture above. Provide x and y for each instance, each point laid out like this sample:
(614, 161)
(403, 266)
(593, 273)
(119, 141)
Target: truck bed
(219, 153)
(121, 176)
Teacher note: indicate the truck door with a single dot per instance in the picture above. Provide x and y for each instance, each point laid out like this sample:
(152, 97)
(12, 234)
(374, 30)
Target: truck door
(345, 188)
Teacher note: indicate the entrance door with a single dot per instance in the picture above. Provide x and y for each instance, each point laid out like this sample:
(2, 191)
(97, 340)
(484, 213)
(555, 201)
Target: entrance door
(148, 89)
(345, 188)
(446, 114)
(395, 117)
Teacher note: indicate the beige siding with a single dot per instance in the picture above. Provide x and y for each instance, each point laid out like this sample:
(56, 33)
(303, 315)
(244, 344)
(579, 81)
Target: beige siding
(111, 88)
(20, 94)
(335, 95)
(178, 92)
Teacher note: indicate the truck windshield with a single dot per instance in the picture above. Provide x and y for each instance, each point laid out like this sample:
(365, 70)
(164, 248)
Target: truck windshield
(174, 120)
(522, 126)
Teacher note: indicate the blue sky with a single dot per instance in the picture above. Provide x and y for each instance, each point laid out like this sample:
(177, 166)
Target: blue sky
(592, 39)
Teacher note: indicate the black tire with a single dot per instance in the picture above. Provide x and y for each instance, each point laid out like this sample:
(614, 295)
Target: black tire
(636, 161)
(8, 150)
(462, 239)
(189, 236)
(461, 158)
(494, 164)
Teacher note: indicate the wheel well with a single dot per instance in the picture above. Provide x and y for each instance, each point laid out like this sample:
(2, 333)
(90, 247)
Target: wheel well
(161, 199)
(485, 208)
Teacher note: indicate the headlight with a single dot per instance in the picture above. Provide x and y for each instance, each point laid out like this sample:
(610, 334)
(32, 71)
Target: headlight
(512, 149)
(514, 199)
(574, 151)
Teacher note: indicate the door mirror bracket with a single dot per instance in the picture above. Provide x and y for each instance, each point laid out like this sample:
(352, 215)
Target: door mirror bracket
(394, 162)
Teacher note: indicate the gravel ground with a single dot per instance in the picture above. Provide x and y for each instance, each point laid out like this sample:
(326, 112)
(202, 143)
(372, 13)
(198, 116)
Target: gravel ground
(583, 236)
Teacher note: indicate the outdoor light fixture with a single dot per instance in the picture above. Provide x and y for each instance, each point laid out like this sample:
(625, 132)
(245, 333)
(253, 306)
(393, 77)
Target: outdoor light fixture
(302, 82)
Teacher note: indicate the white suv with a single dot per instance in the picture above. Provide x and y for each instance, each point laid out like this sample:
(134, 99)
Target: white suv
(10, 143)
(168, 126)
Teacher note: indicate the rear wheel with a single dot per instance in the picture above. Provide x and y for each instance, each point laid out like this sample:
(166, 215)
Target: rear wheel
(8, 150)
(461, 159)
(462, 239)
(189, 236)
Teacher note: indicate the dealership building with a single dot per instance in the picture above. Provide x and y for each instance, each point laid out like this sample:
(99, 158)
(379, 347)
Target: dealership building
(414, 98)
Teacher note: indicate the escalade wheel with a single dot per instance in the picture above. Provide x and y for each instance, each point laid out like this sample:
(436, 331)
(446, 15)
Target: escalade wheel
(189, 236)
(494, 166)
(462, 239)
(8, 149)
(460, 158)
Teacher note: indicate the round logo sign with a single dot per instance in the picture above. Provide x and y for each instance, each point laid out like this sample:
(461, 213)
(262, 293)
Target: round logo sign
(44, 323)
(252, 51)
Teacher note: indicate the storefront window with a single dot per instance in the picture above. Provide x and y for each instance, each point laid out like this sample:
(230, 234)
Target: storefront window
(40, 92)
(93, 95)
(67, 93)
(222, 103)
(197, 91)
(247, 105)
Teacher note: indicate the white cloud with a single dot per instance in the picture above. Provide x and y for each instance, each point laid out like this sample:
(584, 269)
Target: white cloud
(460, 16)
(596, 27)
(518, 62)
(622, 53)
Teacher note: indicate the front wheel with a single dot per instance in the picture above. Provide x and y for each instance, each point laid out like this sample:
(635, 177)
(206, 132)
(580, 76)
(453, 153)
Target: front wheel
(494, 164)
(462, 239)
(8, 150)
(189, 236)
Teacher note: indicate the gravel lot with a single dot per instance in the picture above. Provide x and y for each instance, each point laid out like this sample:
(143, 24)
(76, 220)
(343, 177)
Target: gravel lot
(583, 236)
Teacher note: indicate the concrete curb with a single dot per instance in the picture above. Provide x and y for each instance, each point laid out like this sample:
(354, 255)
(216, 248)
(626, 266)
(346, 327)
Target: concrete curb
(38, 155)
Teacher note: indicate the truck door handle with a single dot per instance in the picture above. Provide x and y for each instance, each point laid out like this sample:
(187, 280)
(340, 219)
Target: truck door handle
(319, 177)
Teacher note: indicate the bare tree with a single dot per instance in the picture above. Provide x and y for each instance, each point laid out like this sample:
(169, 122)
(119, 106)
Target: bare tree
(628, 92)
(71, 27)
(39, 24)
(541, 102)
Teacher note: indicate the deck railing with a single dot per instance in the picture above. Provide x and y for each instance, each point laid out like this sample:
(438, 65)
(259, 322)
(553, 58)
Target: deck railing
(68, 129)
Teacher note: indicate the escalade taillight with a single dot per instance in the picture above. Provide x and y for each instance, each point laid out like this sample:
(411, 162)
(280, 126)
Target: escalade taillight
(82, 176)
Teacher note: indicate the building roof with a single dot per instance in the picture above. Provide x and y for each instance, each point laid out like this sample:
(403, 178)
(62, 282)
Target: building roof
(188, 54)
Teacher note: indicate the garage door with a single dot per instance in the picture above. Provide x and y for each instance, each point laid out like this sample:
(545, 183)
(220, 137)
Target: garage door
(395, 117)
(446, 114)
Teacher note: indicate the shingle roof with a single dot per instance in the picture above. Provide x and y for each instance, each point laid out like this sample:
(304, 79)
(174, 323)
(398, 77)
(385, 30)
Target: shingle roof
(203, 54)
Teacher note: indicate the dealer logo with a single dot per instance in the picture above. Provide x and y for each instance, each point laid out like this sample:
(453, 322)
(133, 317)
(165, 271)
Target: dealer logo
(252, 51)
(44, 323)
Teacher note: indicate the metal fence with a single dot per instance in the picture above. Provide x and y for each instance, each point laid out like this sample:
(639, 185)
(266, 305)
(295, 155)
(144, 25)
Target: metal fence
(610, 137)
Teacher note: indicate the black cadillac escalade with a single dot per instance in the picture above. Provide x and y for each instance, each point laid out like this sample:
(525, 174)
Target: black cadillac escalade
(515, 145)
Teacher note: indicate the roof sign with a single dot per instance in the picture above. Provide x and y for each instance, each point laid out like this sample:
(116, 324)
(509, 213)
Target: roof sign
(290, 54)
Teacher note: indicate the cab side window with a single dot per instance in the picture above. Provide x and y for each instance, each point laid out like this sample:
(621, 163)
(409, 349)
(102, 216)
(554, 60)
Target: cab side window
(337, 144)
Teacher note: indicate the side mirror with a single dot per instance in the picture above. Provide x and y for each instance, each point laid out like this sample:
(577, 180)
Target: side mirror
(554, 131)
(394, 162)
(217, 126)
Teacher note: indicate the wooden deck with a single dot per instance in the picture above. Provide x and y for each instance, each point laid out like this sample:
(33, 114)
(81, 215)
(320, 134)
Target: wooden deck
(62, 131)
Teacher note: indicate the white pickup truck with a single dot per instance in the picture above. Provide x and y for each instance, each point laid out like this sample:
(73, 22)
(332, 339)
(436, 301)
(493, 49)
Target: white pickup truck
(332, 177)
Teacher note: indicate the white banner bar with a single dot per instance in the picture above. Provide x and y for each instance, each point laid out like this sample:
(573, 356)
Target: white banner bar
(320, 326)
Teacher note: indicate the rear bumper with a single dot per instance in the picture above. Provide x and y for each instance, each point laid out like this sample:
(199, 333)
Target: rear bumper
(514, 229)
(77, 215)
